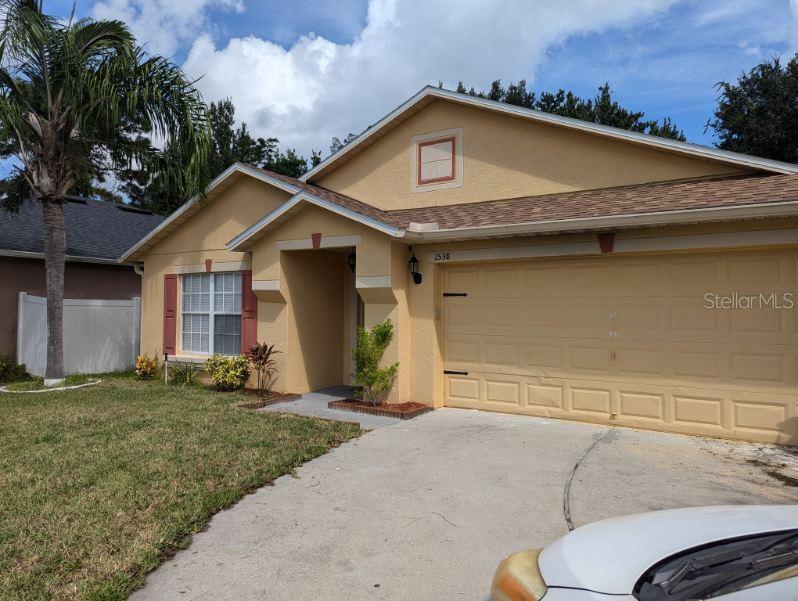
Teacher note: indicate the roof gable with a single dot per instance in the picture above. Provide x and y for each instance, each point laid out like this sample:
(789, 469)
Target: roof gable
(430, 94)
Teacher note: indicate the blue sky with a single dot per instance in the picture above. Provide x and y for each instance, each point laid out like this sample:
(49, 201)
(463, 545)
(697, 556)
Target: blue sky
(306, 71)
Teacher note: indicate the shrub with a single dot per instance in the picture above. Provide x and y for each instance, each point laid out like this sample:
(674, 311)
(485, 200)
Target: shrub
(147, 368)
(262, 358)
(228, 373)
(11, 371)
(182, 374)
(367, 356)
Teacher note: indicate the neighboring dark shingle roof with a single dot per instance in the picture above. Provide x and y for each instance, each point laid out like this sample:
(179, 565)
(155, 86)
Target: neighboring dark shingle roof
(94, 229)
(645, 198)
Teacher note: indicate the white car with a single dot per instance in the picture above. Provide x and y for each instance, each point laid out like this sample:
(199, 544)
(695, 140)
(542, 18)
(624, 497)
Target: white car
(743, 553)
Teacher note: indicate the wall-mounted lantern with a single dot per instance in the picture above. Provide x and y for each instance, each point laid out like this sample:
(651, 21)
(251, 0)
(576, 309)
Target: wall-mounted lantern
(351, 261)
(413, 264)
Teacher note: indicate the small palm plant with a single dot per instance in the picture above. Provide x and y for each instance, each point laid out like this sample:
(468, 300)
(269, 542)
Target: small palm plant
(371, 345)
(262, 357)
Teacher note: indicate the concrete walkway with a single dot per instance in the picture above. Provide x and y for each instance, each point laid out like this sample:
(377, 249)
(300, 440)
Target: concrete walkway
(314, 404)
(425, 509)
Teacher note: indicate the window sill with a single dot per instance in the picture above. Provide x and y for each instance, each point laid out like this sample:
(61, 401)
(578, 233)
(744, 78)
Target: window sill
(188, 358)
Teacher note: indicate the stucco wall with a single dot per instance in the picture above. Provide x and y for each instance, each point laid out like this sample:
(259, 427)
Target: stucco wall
(202, 237)
(314, 301)
(81, 280)
(504, 157)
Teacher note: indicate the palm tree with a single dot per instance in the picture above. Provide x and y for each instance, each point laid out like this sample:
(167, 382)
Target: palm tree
(79, 97)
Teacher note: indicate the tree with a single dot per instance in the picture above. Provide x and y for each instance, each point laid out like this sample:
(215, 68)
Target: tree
(602, 109)
(336, 144)
(758, 114)
(77, 98)
(229, 144)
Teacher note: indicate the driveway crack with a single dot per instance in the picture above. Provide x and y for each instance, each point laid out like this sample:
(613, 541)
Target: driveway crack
(566, 498)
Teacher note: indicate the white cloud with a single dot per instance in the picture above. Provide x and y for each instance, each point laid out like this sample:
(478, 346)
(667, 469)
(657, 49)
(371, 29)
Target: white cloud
(794, 27)
(317, 89)
(165, 25)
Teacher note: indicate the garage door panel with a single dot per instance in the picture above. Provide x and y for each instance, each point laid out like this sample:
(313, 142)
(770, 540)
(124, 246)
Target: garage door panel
(690, 363)
(545, 395)
(642, 361)
(635, 404)
(542, 354)
(590, 400)
(687, 275)
(747, 272)
(587, 358)
(701, 411)
(628, 341)
(588, 278)
(541, 281)
(639, 278)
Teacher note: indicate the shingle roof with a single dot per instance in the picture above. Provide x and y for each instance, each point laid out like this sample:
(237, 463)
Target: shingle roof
(339, 199)
(646, 198)
(94, 229)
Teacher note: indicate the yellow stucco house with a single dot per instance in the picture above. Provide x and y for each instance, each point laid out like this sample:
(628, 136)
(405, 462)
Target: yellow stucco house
(567, 270)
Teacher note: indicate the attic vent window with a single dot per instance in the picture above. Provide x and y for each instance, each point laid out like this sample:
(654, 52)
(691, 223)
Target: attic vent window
(436, 161)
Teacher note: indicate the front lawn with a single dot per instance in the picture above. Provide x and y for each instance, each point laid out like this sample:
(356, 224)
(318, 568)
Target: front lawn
(98, 484)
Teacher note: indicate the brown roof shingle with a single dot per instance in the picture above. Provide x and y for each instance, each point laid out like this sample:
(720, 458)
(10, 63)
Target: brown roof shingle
(643, 198)
(646, 198)
(339, 199)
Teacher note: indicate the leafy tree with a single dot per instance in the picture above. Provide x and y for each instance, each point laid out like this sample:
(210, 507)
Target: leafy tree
(602, 109)
(78, 98)
(229, 144)
(758, 114)
(367, 355)
(336, 144)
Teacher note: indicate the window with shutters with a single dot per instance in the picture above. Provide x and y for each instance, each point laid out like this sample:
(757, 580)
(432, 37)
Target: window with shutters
(211, 312)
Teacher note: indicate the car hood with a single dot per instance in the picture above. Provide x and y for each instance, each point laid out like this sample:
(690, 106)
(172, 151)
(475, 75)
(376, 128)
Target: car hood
(610, 556)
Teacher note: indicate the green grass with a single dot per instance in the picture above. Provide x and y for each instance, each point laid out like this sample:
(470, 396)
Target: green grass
(99, 484)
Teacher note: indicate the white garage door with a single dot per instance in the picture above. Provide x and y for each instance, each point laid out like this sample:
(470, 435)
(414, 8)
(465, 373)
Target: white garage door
(630, 341)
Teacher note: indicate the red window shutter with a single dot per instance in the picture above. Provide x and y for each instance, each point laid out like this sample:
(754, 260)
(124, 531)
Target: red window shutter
(249, 313)
(170, 314)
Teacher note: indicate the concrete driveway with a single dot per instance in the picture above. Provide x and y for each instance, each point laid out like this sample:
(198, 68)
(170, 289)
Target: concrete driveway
(425, 509)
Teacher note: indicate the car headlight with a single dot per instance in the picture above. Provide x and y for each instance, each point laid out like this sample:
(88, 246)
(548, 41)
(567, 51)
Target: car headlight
(518, 578)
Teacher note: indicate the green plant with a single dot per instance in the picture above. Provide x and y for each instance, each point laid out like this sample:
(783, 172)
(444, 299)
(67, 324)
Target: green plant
(11, 371)
(262, 358)
(228, 373)
(147, 368)
(182, 374)
(371, 345)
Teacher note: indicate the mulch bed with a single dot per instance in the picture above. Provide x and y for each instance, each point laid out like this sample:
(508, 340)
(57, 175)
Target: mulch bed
(264, 400)
(400, 410)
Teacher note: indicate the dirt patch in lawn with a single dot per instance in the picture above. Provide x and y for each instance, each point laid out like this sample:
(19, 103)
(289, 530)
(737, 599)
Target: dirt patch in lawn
(264, 399)
(398, 410)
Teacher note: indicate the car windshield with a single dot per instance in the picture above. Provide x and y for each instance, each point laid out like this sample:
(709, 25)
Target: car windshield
(720, 567)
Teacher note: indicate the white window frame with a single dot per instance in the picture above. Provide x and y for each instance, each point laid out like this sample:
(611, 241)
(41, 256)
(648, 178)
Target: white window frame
(211, 311)
(417, 141)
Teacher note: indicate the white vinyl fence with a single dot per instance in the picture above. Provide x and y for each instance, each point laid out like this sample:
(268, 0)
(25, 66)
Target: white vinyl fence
(99, 335)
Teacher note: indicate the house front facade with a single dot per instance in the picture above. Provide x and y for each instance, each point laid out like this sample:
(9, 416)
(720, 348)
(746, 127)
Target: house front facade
(529, 263)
